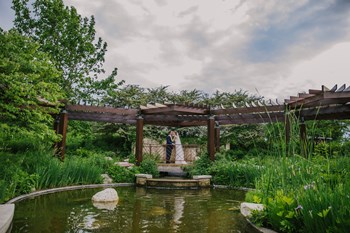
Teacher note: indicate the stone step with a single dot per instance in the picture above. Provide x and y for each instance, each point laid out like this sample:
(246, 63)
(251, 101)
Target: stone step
(172, 169)
(173, 182)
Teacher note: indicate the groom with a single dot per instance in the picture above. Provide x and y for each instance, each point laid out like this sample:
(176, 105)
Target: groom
(169, 145)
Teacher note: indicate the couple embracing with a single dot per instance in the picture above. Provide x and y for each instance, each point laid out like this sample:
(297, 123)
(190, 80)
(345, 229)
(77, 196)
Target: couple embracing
(173, 140)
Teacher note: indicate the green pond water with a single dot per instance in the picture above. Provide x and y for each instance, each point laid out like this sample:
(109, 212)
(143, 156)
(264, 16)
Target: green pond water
(138, 210)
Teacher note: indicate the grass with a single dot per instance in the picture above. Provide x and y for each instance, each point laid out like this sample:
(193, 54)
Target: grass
(24, 172)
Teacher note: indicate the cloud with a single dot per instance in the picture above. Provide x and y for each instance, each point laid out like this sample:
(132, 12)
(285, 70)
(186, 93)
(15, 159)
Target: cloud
(228, 45)
(263, 45)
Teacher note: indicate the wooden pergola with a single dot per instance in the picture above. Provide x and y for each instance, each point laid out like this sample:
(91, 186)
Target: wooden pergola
(323, 104)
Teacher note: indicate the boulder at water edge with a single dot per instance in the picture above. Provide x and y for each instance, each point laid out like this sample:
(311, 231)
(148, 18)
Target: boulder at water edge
(106, 199)
(107, 195)
(247, 208)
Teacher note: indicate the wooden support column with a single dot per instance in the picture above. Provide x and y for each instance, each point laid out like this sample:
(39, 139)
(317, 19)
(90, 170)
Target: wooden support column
(303, 138)
(287, 131)
(217, 137)
(139, 140)
(62, 129)
(211, 138)
(56, 124)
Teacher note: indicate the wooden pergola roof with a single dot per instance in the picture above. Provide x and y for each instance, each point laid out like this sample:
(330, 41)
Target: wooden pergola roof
(323, 104)
(320, 104)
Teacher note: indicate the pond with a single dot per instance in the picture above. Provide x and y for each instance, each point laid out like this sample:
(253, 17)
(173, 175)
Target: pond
(138, 210)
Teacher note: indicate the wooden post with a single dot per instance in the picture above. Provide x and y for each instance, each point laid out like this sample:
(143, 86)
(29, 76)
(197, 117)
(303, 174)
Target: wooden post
(139, 140)
(217, 137)
(211, 138)
(303, 142)
(56, 124)
(287, 131)
(62, 129)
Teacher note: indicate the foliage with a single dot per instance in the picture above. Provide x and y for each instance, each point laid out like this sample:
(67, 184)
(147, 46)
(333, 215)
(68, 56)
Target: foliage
(305, 195)
(36, 168)
(70, 40)
(122, 174)
(72, 171)
(149, 166)
(235, 173)
(333, 129)
(200, 167)
(226, 170)
(28, 93)
(283, 213)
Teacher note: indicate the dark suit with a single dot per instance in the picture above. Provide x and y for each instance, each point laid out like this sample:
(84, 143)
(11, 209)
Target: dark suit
(169, 147)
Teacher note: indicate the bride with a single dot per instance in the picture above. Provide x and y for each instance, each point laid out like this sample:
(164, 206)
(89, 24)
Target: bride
(180, 156)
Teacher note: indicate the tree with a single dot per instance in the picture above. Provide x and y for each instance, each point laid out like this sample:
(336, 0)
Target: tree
(70, 41)
(28, 94)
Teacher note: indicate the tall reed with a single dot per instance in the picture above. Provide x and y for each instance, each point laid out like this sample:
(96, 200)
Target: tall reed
(303, 189)
(71, 171)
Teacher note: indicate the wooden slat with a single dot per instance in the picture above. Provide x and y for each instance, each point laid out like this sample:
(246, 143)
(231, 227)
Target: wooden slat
(175, 109)
(305, 95)
(313, 91)
(324, 98)
(248, 110)
(330, 112)
(306, 101)
(83, 108)
(178, 124)
(102, 117)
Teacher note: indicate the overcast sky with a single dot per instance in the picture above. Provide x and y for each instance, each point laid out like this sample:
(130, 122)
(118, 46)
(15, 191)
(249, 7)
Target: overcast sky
(274, 48)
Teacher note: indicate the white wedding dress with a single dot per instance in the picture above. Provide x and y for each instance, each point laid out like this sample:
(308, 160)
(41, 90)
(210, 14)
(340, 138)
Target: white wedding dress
(180, 155)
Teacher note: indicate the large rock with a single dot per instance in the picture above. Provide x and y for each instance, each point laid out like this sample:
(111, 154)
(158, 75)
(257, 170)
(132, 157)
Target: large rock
(106, 179)
(107, 195)
(247, 208)
(106, 199)
(124, 164)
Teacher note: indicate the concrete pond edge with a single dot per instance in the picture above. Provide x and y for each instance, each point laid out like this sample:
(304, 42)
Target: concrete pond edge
(66, 188)
(6, 212)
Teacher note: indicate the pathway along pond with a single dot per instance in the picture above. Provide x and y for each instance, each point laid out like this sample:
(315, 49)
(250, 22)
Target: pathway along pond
(138, 210)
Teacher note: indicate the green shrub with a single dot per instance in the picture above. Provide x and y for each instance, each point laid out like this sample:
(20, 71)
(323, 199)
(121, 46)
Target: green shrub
(22, 183)
(235, 173)
(149, 166)
(3, 191)
(200, 167)
(122, 174)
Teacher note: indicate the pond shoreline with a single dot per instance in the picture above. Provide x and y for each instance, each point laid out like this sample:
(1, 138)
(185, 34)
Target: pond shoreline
(66, 188)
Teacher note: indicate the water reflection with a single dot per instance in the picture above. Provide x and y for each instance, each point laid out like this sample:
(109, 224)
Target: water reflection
(178, 211)
(138, 210)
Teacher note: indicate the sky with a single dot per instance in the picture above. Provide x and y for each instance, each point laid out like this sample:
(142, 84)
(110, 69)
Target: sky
(270, 48)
